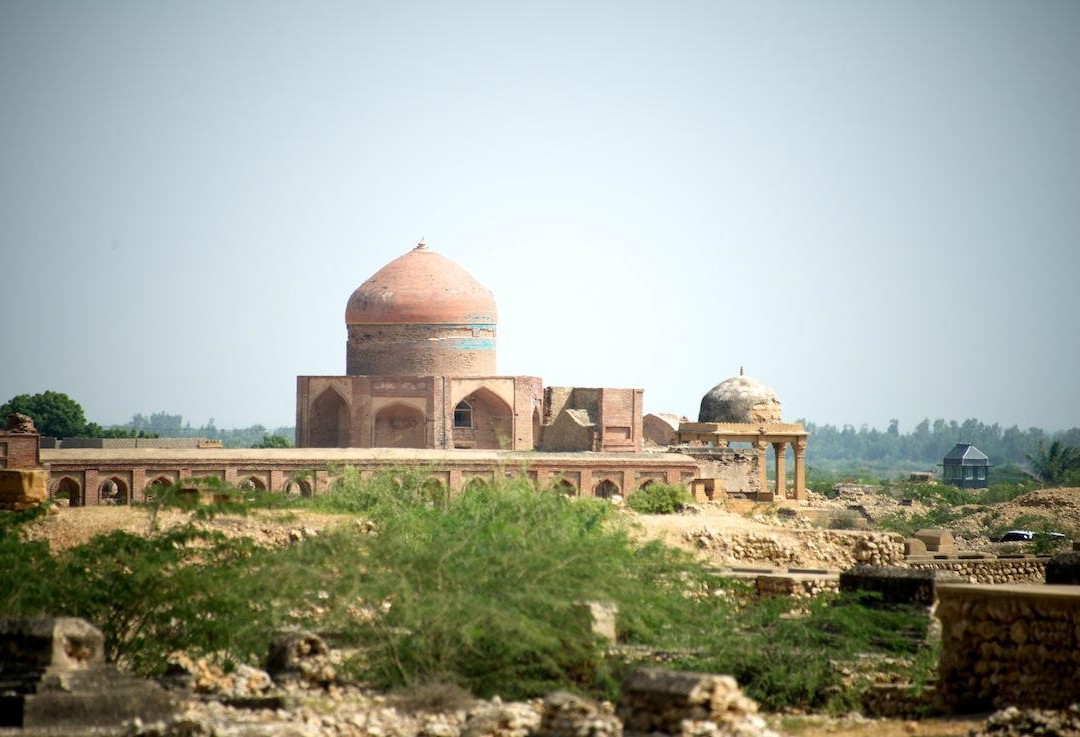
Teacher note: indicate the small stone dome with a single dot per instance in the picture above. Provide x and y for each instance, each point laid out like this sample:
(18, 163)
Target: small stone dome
(740, 399)
(421, 287)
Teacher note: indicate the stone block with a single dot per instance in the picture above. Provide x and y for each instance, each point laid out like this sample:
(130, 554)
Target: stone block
(936, 541)
(567, 715)
(22, 489)
(53, 676)
(896, 585)
(657, 700)
(914, 546)
(602, 618)
(1064, 569)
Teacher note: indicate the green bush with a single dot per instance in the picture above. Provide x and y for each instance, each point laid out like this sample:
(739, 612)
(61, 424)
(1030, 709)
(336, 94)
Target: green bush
(483, 590)
(659, 499)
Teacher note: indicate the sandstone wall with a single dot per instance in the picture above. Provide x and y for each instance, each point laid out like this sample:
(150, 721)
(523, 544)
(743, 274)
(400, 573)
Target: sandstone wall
(1007, 569)
(1016, 645)
(838, 549)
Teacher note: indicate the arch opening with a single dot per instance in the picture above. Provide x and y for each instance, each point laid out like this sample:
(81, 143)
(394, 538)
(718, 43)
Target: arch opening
(113, 491)
(68, 488)
(606, 489)
(156, 488)
(565, 486)
(492, 422)
(252, 483)
(296, 486)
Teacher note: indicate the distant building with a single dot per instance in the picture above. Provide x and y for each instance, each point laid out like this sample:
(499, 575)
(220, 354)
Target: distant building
(966, 466)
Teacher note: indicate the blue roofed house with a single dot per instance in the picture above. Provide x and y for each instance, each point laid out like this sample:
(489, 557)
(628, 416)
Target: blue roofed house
(966, 466)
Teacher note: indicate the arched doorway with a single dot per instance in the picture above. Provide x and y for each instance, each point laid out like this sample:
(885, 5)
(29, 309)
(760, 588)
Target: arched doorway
(328, 421)
(606, 489)
(252, 483)
(113, 491)
(399, 426)
(156, 488)
(565, 486)
(434, 492)
(69, 489)
(483, 420)
(298, 486)
(477, 483)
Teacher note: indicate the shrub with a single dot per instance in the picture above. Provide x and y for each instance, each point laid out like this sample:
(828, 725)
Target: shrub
(482, 591)
(659, 499)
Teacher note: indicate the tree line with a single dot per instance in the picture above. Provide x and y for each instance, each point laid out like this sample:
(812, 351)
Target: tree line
(56, 414)
(927, 443)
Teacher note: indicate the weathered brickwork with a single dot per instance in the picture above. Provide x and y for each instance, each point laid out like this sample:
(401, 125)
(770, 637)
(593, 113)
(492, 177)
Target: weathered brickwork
(436, 350)
(19, 450)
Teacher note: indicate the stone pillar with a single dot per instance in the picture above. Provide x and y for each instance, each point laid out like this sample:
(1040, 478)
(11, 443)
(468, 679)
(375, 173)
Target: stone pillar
(800, 468)
(761, 447)
(781, 471)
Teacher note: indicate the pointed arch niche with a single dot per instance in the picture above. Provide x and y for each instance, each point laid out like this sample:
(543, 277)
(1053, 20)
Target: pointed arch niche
(492, 422)
(328, 420)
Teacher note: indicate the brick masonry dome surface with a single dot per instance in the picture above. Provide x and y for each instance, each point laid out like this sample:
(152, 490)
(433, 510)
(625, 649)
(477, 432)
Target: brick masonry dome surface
(740, 399)
(421, 287)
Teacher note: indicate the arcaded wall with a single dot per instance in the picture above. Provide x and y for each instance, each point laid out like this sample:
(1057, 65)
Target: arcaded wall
(415, 411)
(420, 350)
(1015, 645)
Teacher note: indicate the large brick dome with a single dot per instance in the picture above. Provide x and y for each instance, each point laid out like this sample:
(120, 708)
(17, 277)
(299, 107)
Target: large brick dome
(421, 287)
(421, 315)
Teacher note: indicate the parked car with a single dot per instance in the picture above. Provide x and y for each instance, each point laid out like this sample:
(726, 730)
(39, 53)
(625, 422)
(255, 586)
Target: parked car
(1024, 536)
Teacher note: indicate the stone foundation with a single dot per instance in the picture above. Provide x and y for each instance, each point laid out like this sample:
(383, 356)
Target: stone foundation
(1016, 645)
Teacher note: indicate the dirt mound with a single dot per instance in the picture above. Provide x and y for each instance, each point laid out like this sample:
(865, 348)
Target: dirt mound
(1057, 508)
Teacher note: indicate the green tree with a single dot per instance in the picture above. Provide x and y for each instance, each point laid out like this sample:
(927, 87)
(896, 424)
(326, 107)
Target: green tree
(273, 441)
(1053, 465)
(54, 413)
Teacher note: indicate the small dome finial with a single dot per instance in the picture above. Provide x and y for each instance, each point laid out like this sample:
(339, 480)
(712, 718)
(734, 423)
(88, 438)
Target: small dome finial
(421, 244)
(740, 370)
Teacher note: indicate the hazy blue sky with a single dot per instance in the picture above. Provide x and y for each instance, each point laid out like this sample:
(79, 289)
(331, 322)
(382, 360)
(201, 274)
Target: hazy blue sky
(873, 206)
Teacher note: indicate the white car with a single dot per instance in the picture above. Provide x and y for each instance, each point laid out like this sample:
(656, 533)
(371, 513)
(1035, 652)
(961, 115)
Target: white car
(1023, 536)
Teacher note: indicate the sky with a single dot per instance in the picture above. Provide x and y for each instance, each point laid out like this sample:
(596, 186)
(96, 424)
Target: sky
(874, 207)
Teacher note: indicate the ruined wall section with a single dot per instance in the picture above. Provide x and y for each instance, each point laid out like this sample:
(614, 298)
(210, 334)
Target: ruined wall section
(420, 350)
(619, 422)
(19, 450)
(1015, 645)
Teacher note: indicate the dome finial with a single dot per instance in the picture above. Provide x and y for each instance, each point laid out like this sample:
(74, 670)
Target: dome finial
(740, 370)
(421, 245)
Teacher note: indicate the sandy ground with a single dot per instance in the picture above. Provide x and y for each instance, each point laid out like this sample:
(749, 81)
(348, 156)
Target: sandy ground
(69, 527)
(818, 726)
